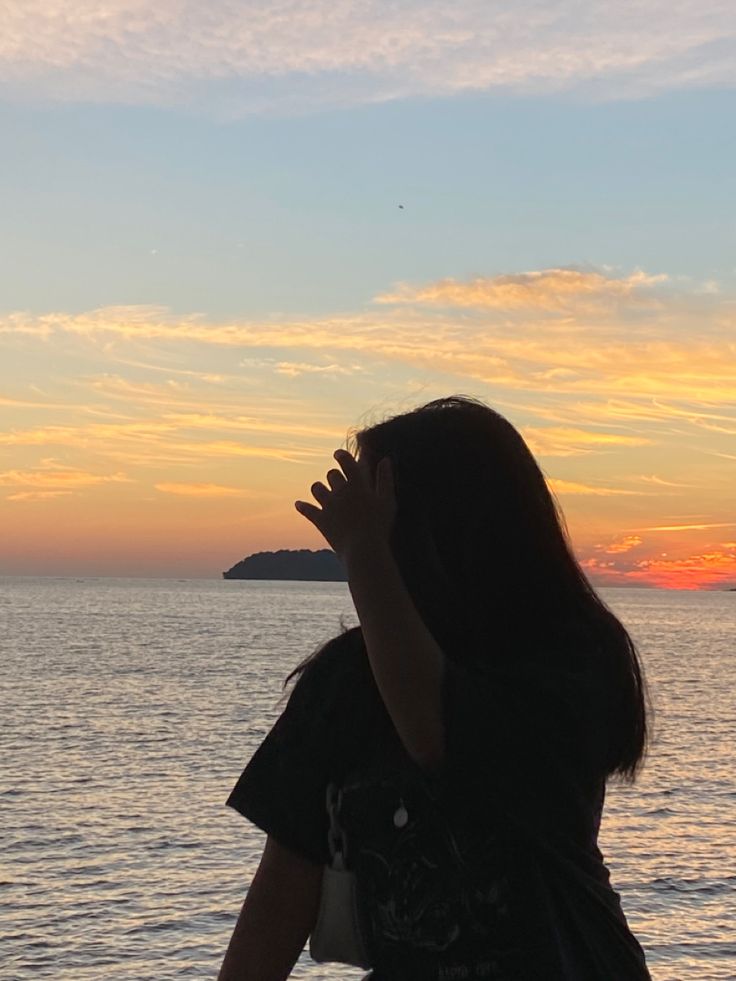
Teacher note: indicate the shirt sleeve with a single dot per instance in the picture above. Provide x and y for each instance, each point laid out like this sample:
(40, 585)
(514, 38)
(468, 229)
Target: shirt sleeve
(282, 790)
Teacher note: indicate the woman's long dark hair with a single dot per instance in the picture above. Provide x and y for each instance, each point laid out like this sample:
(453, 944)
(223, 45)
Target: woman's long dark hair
(484, 550)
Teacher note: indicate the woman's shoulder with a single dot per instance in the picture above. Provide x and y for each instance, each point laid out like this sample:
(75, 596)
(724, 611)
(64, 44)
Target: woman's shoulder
(337, 654)
(336, 689)
(337, 668)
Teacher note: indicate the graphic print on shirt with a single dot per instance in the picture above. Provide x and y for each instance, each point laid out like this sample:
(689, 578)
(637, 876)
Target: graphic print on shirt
(424, 886)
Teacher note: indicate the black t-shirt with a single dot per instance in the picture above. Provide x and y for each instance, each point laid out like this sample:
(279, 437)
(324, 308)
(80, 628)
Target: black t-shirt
(493, 869)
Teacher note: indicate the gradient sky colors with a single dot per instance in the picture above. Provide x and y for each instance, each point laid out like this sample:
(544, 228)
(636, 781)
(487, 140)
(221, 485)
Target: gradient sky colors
(207, 279)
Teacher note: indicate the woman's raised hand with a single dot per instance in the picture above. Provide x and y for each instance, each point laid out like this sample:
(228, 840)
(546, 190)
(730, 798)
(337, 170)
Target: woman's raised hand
(353, 513)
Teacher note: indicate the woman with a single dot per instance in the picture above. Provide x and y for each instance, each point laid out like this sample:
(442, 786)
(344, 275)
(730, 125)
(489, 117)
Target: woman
(472, 720)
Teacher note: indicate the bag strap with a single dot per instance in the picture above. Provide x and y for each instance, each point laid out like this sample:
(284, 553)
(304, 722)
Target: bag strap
(336, 838)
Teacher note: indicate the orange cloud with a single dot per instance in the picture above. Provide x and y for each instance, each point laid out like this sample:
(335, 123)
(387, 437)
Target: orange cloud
(570, 487)
(201, 490)
(150, 440)
(726, 524)
(627, 362)
(614, 411)
(561, 441)
(708, 569)
(250, 424)
(296, 368)
(627, 382)
(66, 480)
(624, 545)
(37, 495)
(548, 289)
(653, 479)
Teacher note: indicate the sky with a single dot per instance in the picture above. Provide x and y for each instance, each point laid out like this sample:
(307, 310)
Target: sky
(235, 232)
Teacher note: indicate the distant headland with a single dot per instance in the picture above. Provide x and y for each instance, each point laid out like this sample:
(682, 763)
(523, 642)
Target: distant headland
(301, 564)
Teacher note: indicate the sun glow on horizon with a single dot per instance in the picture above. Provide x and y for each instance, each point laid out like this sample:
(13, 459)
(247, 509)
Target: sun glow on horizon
(136, 440)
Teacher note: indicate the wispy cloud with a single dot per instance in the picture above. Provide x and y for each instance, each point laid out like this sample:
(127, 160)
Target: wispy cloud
(727, 524)
(154, 441)
(571, 487)
(47, 482)
(238, 57)
(548, 290)
(201, 490)
(37, 495)
(716, 567)
(296, 368)
(560, 441)
(660, 482)
(621, 546)
(711, 569)
(622, 383)
(585, 335)
(58, 480)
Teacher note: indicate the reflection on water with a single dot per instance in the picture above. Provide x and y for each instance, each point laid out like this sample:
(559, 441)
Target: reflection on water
(130, 706)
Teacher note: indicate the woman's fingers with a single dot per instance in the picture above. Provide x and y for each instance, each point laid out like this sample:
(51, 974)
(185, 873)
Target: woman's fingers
(335, 478)
(320, 492)
(348, 500)
(311, 512)
(348, 463)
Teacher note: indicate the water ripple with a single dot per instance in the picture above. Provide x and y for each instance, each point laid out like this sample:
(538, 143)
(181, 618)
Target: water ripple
(129, 707)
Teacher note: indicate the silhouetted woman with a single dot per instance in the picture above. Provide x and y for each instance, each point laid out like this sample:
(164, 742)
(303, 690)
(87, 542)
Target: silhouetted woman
(471, 721)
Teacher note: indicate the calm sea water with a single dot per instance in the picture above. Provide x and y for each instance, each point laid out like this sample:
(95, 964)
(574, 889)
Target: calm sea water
(129, 707)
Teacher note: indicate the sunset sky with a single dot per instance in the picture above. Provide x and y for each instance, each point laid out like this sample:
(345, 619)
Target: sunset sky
(232, 231)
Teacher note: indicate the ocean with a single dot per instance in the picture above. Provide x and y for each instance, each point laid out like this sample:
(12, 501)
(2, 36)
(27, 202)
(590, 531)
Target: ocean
(129, 708)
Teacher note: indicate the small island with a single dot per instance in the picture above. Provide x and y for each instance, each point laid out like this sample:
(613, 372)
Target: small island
(303, 565)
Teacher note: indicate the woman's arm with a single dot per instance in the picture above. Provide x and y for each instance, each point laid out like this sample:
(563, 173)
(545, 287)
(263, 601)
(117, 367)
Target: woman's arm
(277, 917)
(356, 518)
(406, 661)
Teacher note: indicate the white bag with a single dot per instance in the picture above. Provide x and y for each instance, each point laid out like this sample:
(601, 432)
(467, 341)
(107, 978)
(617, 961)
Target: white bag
(337, 934)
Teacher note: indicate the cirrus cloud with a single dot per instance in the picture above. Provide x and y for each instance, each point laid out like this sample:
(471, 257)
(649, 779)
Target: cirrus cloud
(573, 487)
(624, 382)
(49, 481)
(583, 334)
(548, 289)
(243, 56)
(57, 480)
(200, 490)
